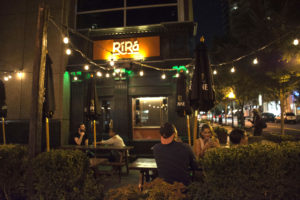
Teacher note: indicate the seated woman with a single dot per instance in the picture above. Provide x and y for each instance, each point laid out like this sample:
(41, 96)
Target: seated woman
(205, 141)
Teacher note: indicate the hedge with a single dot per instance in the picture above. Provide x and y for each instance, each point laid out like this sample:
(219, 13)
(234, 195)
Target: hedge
(64, 174)
(13, 163)
(250, 172)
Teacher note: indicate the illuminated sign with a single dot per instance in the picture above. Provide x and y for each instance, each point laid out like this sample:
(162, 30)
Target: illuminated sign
(126, 47)
(135, 48)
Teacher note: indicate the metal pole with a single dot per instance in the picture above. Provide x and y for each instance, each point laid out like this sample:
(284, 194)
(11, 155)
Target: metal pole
(3, 130)
(95, 139)
(232, 125)
(189, 129)
(47, 134)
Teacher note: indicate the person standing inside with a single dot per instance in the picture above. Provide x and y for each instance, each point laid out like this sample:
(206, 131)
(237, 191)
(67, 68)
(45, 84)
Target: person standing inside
(173, 158)
(80, 137)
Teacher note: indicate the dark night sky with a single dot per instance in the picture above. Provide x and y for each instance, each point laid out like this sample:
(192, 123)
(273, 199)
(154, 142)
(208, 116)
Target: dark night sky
(210, 18)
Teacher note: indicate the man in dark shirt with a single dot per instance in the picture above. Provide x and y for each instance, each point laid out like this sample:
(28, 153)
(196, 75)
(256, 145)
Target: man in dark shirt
(173, 158)
(80, 137)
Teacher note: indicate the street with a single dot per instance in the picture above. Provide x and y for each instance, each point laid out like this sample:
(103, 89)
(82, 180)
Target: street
(291, 129)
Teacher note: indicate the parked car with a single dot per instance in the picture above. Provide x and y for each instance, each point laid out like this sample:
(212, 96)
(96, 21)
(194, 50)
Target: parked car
(288, 117)
(268, 117)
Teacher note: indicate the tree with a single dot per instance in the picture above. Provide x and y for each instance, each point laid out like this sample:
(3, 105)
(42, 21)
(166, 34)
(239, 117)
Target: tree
(262, 28)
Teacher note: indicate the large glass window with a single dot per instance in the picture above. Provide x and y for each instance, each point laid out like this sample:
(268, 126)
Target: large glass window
(150, 111)
(151, 15)
(100, 20)
(148, 114)
(109, 14)
(86, 5)
(148, 2)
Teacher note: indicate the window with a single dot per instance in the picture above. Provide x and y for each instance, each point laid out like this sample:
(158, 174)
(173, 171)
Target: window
(151, 15)
(87, 5)
(108, 14)
(148, 114)
(148, 2)
(100, 20)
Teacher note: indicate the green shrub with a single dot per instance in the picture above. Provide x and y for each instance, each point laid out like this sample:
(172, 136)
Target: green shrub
(251, 172)
(155, 190)
(279, 138)
(221, 134)
(13, 163)
(64, 174)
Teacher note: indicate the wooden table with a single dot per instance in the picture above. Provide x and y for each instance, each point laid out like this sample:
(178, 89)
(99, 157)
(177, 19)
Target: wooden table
(144, 165)
(124, 150)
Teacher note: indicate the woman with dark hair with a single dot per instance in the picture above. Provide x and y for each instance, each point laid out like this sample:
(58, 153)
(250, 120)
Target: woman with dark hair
(206, 141)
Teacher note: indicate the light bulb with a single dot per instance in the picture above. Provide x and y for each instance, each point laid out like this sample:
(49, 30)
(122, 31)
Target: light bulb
(163, 76)
(107, 75)
(5, 78)
(68, 51)
(141, 73)
(255, 61)
(66, 40)
(75, 78)
(215, 72)
(176, 75)
(232, 70)
(187, 71)
(86, 67)
(112, 63)
(114, 74)
(20, 74)
(295, 42)
(99, 74)
(9, 76)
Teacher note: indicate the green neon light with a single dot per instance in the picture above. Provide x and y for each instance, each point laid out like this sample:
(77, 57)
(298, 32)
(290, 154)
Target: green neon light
(87, 76)
(179, 68)
(79, 73)
(73, 73)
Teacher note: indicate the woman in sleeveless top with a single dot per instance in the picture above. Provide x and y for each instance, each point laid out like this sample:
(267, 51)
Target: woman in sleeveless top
(205, 141)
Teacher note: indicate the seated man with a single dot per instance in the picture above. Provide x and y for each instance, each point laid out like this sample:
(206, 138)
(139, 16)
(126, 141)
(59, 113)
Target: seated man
(173, 158)
(114, 140)
(238, 137)
(80, 137)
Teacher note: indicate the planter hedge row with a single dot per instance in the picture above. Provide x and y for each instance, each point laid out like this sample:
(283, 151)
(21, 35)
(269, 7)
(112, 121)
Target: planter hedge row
(254, 171)
(58, 174)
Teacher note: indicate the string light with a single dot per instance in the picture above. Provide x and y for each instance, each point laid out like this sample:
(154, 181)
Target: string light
(86, 67)
(99, 74)
(215, 72)
(295, 42)
(141, 73)
(68, 51)
(114, 73)
(163, 76)
(187, 71)
(232, 69)
(6, 78)
(255, 61)
(9, 76)
(66, 40)
(112, 63)
(177, 75)
(20, 74)
(107, 75)
(75, 78)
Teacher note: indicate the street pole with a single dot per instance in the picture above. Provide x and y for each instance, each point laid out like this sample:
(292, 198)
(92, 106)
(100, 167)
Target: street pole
(232, 125)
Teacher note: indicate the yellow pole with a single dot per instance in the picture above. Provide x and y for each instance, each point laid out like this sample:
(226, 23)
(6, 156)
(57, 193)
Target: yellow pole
(189, 129)
(195, 126)
(3, 129)
(95, 133)
(47, 135)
